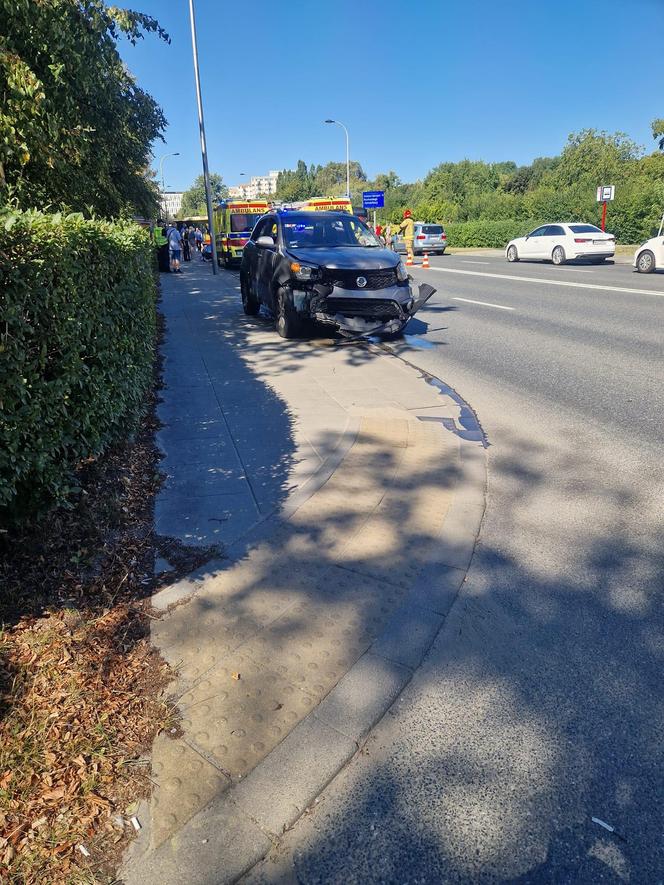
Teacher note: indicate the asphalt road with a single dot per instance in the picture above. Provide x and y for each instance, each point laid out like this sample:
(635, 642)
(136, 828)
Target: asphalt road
(540, 706)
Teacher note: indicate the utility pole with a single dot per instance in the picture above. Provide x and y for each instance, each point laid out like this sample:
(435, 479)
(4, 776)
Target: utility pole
(201, 127)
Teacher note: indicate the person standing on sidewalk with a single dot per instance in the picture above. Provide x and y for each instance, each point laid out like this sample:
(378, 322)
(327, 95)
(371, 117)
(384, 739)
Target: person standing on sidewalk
(407, 229)
(161, 242)
(199, 238)
(186, 251)
(175, 248)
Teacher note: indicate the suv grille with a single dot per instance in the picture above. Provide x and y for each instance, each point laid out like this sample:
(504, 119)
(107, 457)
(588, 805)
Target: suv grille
(347, 279)
(373, 308)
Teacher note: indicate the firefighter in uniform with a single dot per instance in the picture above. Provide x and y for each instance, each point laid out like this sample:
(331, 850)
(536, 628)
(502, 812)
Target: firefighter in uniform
(407, 229)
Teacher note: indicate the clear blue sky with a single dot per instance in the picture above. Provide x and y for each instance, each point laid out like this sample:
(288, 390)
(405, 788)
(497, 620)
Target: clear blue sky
(417, 82)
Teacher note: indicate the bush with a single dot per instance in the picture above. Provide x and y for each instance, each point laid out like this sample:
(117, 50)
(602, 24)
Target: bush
(77, 302)
(492, 234)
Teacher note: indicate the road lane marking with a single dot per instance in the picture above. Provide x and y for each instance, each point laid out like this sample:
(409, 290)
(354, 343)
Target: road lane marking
(483, 303)
(504, 276)
(470, 261)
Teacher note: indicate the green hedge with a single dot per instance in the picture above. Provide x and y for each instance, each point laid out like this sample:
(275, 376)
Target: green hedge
(77, 337)
(490, 234)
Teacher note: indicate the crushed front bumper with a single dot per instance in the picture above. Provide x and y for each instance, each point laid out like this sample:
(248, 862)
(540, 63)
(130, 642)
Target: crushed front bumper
(363, 312)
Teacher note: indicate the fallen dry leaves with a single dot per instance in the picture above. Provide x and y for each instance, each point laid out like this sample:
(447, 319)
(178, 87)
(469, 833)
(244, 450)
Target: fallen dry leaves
(79, 708)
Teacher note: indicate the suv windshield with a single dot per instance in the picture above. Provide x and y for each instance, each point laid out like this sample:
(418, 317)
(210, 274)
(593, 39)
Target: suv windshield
(305, 231)
(432, 229)
(241, 222)
(584, 229)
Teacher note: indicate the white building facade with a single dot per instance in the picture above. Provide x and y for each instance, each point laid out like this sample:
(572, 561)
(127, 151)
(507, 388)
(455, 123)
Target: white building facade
(171, 203)
(257, 186)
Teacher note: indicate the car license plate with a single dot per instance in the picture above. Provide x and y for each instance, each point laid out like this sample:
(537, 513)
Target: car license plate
(600, 242)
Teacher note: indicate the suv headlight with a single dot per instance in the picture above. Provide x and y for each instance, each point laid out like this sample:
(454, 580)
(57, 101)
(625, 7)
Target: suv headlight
(303, 271)
(402, 273)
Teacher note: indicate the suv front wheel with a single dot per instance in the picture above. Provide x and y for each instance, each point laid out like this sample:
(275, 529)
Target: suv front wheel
(288, 324)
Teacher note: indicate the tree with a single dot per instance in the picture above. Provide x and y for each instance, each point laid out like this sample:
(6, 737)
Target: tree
(296, 184)
(591, 158)
(305, 182)
(194, 201)
(75, 128)
(385, 181)
(330, 180)
(658, 132)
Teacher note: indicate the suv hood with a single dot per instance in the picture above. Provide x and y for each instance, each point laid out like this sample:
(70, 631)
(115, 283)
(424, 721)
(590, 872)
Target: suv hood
(348, 257)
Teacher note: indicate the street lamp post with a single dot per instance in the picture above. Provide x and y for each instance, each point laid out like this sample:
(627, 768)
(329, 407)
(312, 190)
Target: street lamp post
(201, 127)
(347, 155)
(161, 168)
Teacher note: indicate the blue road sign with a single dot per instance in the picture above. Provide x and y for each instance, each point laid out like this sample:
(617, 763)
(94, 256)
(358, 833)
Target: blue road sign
(373, 199)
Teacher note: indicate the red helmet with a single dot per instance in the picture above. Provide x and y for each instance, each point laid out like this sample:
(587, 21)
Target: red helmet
(407, 213)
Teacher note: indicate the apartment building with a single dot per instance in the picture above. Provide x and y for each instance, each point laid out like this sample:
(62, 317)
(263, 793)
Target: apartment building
(171, 203)
(257, 186)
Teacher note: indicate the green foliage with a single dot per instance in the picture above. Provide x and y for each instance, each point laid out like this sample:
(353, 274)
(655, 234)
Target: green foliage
(658, 132)
(75, 128)
(494, 202)
(489, 234)
(510, 200)
(305, 182)
(385, 181)
(194, 200)
(591, 158)
(77, 300)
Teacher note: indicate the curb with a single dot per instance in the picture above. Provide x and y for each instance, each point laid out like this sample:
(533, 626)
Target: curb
(238, 828)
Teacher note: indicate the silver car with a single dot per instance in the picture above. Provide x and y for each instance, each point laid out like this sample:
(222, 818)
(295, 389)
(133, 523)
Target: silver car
(429, 238)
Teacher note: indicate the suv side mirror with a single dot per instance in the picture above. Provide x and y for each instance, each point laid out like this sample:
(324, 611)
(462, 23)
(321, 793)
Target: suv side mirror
(265, 241)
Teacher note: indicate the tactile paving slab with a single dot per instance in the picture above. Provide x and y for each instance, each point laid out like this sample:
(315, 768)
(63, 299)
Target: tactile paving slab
(184, 783)
(238, 715)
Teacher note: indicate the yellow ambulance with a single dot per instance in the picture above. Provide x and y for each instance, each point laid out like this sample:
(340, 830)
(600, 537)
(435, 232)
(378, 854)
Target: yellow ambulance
(327, 204)
(234, 221)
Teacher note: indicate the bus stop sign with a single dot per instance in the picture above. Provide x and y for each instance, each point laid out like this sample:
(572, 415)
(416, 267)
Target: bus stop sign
(605, 192)
(373, 199)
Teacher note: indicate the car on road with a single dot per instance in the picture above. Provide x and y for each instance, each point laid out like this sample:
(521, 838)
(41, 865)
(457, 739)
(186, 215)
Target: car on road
(330, 268)
(650, 255)
(429, 238)
(563, 242)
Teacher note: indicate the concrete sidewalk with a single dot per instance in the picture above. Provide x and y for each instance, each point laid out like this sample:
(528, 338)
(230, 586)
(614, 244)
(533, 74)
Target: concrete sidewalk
(345, 492)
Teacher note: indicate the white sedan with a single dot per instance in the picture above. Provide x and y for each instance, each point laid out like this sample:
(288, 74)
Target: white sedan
(650, 255)
(561, 242)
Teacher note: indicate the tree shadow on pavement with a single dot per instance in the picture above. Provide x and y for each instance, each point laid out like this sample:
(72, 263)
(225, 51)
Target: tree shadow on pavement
(538, 708)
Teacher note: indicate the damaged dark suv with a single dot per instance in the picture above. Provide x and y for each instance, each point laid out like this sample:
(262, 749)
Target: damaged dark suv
(330, 268)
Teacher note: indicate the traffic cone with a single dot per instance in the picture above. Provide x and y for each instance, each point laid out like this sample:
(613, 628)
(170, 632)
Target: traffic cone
(425, 260)
(409, 261)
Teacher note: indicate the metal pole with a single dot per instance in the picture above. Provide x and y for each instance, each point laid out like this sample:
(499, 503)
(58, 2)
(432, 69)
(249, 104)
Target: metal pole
(604, 216)
(201, 126)
(339, 123)
(374, 220)
(347, 164)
